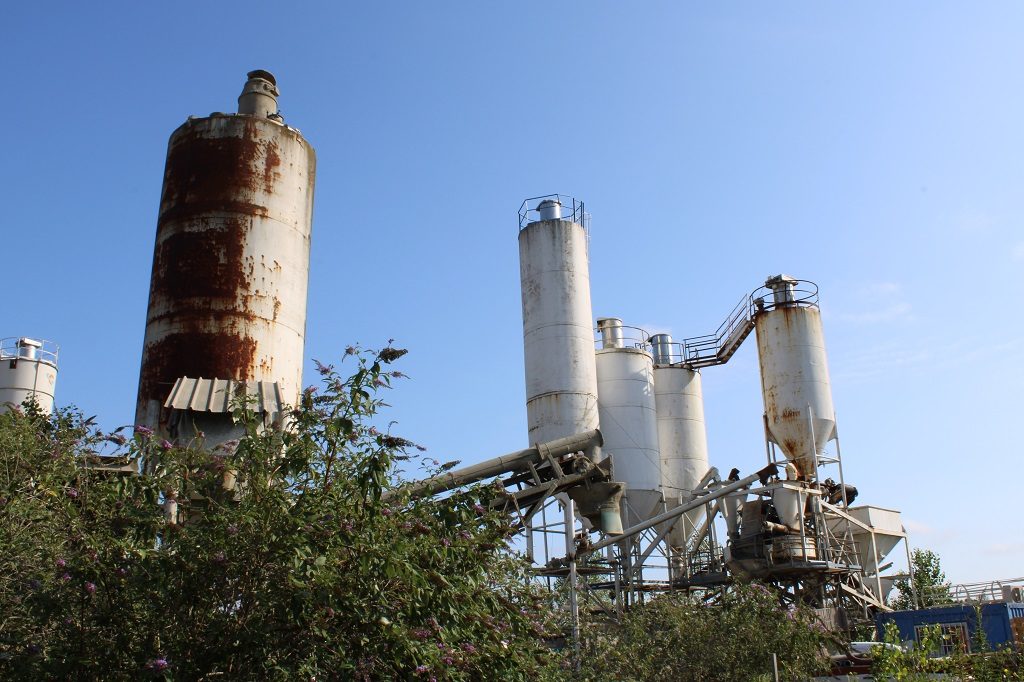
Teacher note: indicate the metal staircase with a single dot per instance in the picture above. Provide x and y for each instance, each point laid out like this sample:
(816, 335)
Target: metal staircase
(717, 348)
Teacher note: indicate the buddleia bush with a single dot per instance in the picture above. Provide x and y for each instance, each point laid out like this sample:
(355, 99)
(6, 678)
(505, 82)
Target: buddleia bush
(287, 554)
(677, 638)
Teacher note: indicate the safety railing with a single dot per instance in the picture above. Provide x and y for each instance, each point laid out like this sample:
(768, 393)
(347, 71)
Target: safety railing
(620, 336)
(800, 293)
(568, 208)
(24, 348)
(718, 347)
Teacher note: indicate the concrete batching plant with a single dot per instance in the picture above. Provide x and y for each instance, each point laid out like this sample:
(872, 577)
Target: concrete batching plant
(227, 301)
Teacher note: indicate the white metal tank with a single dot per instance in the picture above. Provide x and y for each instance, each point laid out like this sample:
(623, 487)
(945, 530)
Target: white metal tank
(794, 371)
(629, 424)
(682, 436)
(230, 269)
(28, 371)
(558, 336)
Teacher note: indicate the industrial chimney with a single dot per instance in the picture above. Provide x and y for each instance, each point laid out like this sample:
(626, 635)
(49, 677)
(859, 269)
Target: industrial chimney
(227, 300)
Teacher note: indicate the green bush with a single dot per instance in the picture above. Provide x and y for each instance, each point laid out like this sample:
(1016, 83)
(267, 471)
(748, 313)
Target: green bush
(680, 639)
(307, 574)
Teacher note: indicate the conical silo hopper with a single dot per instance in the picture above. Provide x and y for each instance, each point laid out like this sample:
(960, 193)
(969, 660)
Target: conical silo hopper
(794, 371)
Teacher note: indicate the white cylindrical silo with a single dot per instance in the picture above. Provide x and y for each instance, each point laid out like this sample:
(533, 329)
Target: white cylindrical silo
(794, 372)
(682, 437)
(558, 336)
(231, 264)
(625, 389)
(28, 372)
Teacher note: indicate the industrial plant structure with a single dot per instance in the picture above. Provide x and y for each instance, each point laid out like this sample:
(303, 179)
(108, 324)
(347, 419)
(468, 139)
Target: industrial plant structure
(227, 299)
(616, 483)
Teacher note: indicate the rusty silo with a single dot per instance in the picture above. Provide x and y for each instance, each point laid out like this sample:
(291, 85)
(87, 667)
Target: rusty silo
(227, 300)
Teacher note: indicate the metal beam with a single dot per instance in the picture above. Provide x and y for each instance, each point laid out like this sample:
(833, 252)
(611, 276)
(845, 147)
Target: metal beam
(763, 475)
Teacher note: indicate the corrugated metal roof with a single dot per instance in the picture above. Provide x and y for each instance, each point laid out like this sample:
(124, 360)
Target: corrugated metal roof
(217, 395)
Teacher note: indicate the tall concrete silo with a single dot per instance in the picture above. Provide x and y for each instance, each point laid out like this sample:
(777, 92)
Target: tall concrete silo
(794, 371)
(558, 333)
(227, 301)
(28, 372)
(629, 424)
(682, 436)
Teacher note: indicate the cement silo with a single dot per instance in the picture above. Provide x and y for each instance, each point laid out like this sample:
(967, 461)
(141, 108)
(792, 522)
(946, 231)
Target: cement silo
(558, 335)
(682, 437)
(227, 297)
(625, 390)
(28, 372)
(794, 371)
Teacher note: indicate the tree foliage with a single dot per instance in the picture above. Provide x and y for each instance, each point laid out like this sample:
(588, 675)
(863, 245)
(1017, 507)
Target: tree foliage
(681, 639)
(929, 582)
(310, 572)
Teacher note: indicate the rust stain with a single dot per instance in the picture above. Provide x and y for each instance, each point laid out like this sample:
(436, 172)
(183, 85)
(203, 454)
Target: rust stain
(205, 173)
(195, 353)
(203, 263)
(273, 160)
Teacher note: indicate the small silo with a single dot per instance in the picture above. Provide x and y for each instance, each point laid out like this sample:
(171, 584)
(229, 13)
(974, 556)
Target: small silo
(227, 301)
(794, 371)
(682, 437)
(28, 371)
(558, 336)
(629, 424)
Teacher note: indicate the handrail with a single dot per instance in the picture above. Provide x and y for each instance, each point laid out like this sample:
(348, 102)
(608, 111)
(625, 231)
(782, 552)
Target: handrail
(13, 348)
(627, 339)
(572, 209)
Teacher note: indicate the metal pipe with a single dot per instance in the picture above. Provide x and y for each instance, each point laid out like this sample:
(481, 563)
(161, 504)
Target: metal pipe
(763, 475)
(509, 463)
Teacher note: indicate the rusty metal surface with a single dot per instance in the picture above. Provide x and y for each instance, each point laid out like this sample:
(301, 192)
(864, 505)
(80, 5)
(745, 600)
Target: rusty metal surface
(795, 383)
(230, 267)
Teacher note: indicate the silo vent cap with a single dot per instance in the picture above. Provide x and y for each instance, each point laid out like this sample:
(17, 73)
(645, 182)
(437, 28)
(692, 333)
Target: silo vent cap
(260, 73)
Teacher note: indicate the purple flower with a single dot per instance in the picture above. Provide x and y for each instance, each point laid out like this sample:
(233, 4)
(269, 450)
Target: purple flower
(220, 558)
(420, 669)
(448, 660)
(469, 648)
(121, 572)
(166, 445)
(479, 508)
(350, 350)
(158, 664)
(386, 511)
(465, 535)
(232, 529)
(90, 588)
(65, 577)
(60, 563)
(446, 542)
(420, 633)
(71, 492)
(143, 430)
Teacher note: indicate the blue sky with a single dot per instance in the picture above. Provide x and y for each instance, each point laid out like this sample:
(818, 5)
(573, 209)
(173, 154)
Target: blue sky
(874, 148)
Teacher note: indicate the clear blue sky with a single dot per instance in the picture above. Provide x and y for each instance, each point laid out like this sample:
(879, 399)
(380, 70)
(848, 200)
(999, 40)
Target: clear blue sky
(875, 148)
